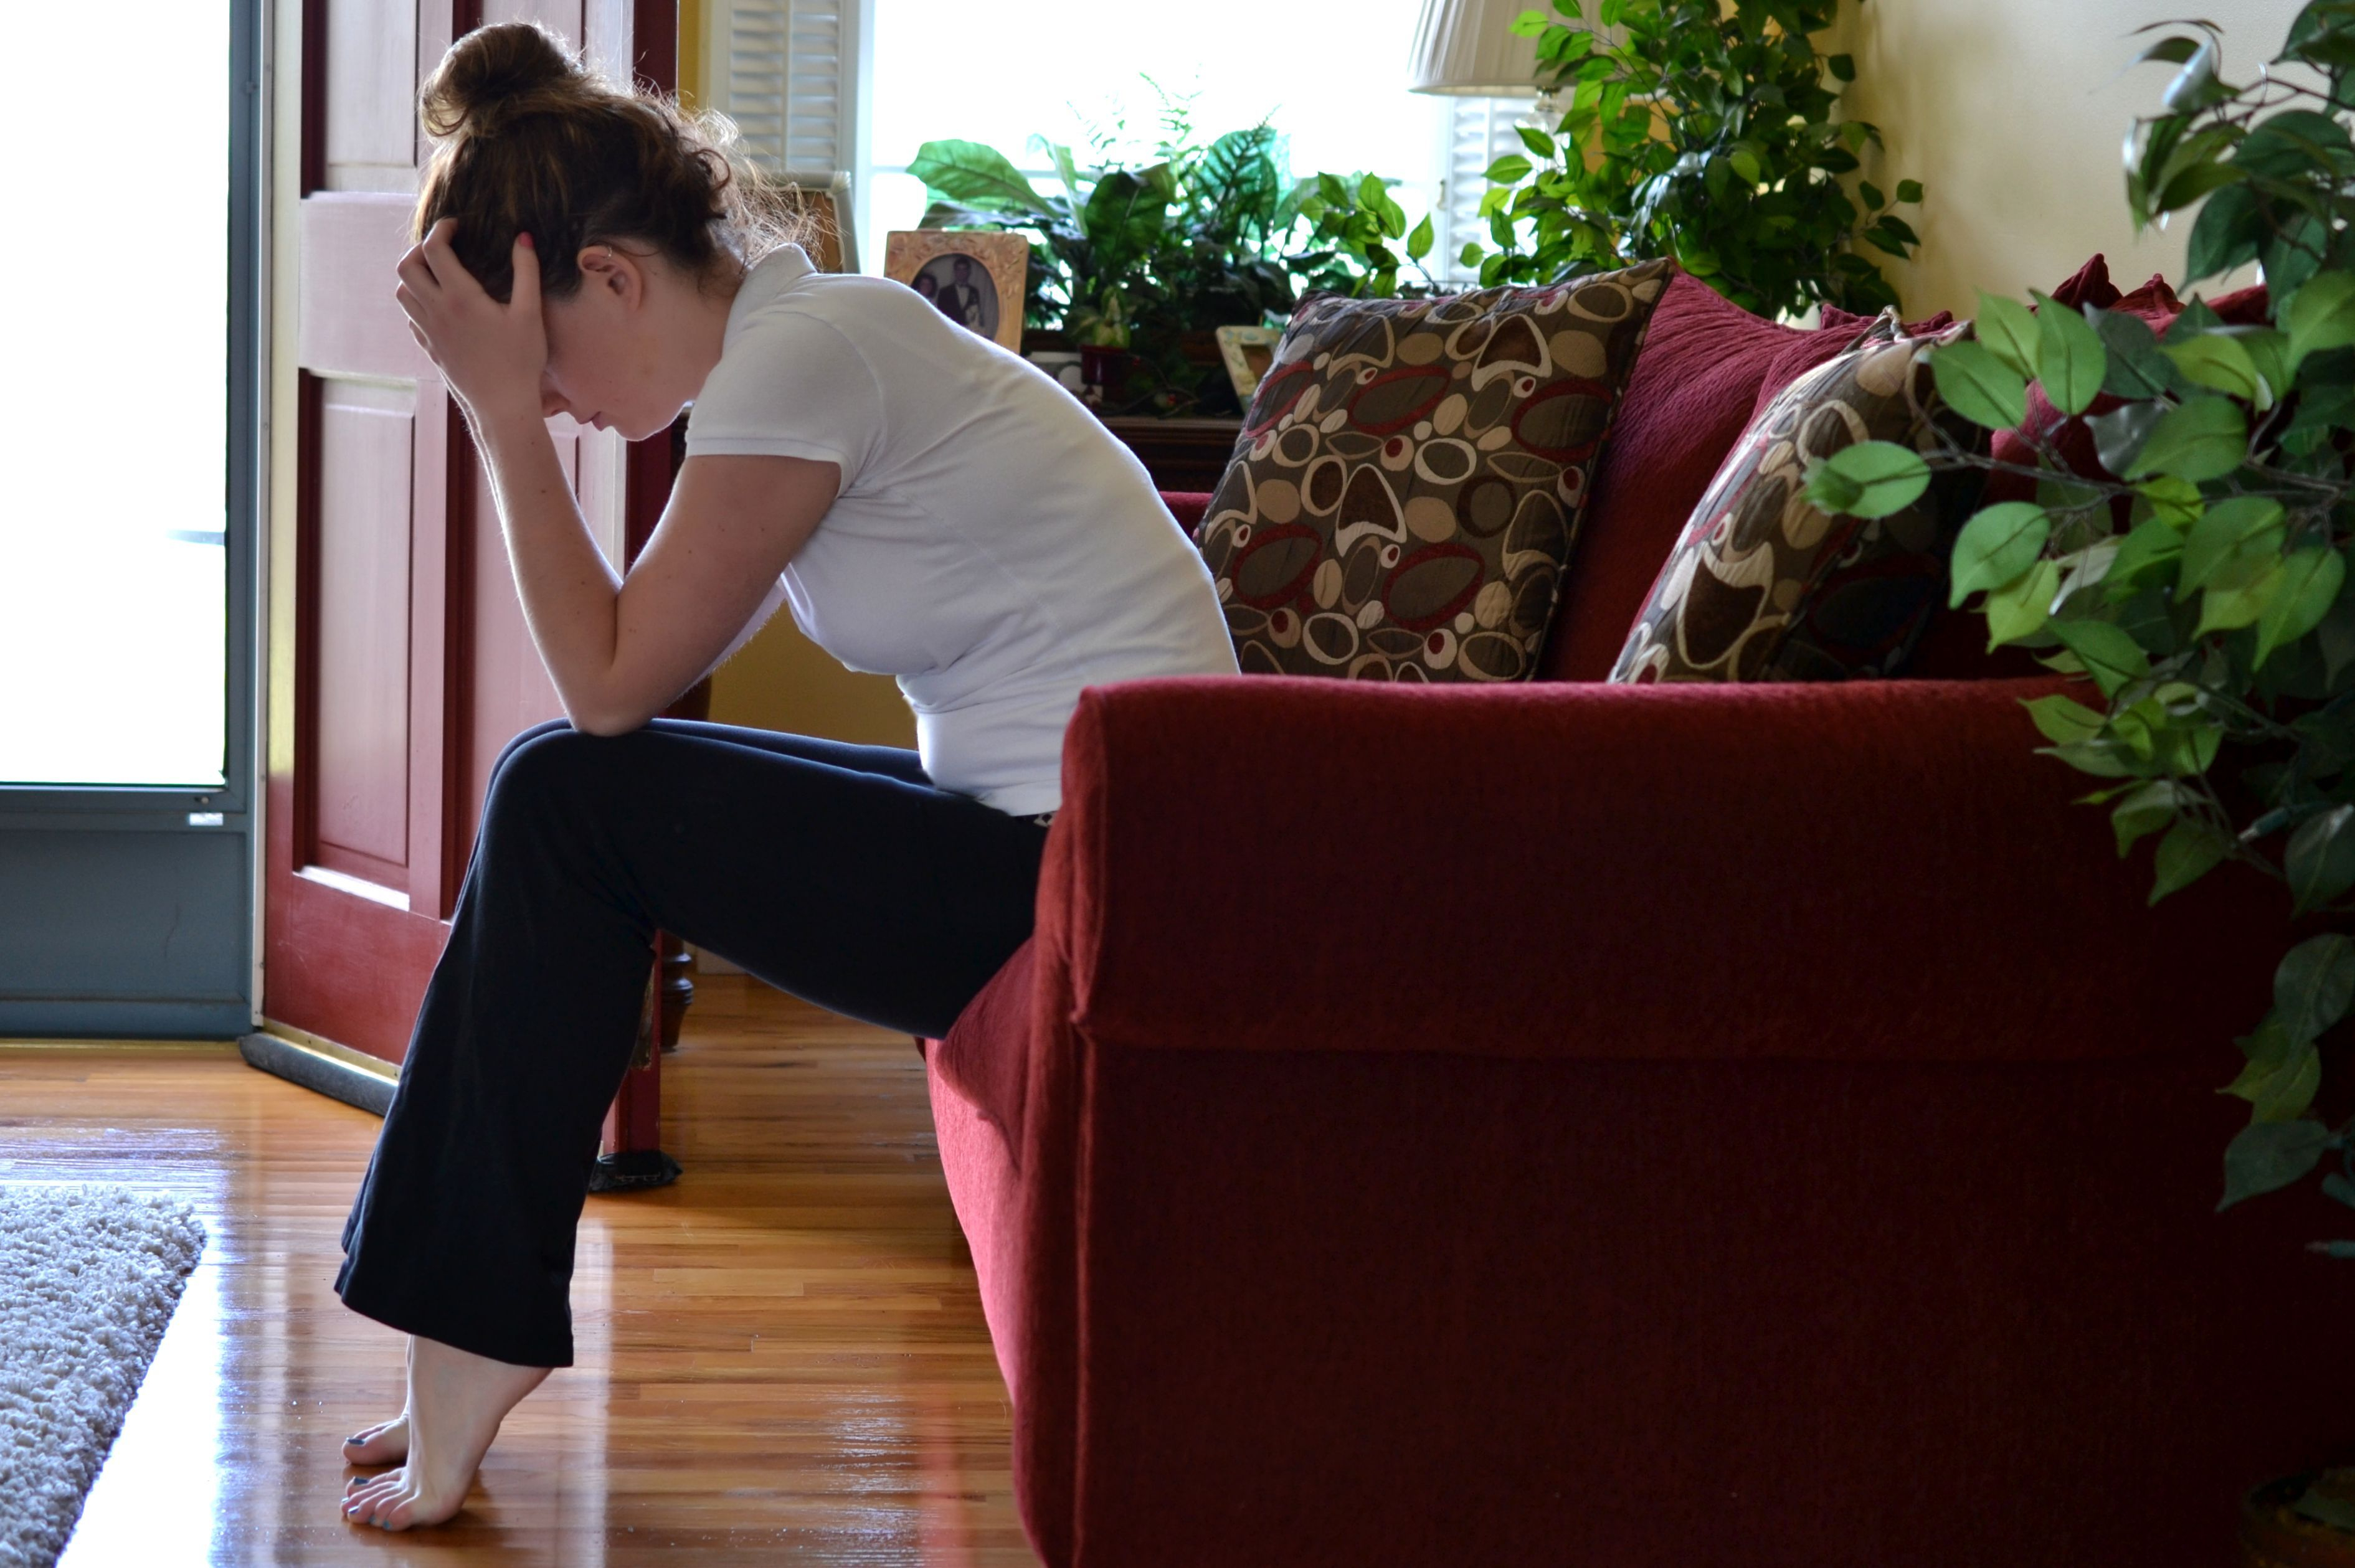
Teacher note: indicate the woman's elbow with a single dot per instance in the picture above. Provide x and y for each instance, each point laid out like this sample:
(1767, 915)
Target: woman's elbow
(601, 721)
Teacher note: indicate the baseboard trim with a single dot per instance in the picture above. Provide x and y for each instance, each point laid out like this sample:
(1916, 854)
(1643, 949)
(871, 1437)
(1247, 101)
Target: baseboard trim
(337, 1071)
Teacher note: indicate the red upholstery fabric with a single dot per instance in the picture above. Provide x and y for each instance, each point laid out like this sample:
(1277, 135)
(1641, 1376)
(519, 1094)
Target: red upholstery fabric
(1705, 368)
(1795, 1186)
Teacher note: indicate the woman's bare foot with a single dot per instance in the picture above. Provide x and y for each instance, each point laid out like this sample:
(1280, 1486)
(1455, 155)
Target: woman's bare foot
(456, 1401)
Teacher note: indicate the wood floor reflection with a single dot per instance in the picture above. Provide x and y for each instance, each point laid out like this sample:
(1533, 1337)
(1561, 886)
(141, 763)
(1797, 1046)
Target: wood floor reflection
(782, 1358)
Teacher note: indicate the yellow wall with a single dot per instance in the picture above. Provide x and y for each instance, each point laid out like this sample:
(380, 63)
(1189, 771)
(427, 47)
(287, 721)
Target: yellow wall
(2012, 113)
(780, 679)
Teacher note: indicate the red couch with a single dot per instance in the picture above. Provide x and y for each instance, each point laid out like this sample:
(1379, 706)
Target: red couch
(1590, 1125)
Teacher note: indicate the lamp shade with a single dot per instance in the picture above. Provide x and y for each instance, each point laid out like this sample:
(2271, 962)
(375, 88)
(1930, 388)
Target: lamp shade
(1467, 47)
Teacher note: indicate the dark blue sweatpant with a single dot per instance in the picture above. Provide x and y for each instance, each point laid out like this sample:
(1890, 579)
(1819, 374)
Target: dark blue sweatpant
(838, 873)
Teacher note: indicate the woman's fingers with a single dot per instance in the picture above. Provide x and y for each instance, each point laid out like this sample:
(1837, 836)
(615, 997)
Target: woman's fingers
(525, 259)
(440, 257)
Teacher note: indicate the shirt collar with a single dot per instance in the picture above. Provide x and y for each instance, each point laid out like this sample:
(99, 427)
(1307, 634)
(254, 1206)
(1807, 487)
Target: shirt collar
(769, 276)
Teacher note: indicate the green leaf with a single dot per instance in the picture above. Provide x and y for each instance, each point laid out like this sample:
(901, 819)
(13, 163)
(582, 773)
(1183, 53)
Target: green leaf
(1842, 66)
(2071, 355)
(2198, 181)
(1509, 170)
(2314, 986)
(2009, 330)
(1909, 192)
(1979, 386)
(2136, 369)
(2288, 1092)
(2268, 1155)
(1419, 243)
(2268, 351)
(2239, 593)
(2320, 315)
(975, 175)
(2202, 439)
(2021, 608)
(2231, 228)
(2175, 502)
(2120, 435)
(2311, 578)
(2142, 811)
(2314, 1503)
(1997, 544)
(2216, 362)
(2114, 659)
(2320, 859)
(2191, 851)
(1536, 140)
(2063, 721)
(1887, 477)
(2243, 525)
(2151, 547)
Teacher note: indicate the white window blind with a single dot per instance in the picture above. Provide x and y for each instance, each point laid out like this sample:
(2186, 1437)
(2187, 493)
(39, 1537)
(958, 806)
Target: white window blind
(788, 72)
(1479, 132)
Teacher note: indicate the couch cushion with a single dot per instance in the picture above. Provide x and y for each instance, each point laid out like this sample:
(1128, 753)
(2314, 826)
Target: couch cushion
(1765, 586)
(1413, 474)
(1708, 366)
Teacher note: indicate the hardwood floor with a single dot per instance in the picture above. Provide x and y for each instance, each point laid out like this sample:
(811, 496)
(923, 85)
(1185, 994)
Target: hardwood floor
(782, 1358)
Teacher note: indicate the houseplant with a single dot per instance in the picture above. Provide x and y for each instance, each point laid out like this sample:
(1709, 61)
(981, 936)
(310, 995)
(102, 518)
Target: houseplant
(2200, 582)
(1207, 234)
(1703, 130)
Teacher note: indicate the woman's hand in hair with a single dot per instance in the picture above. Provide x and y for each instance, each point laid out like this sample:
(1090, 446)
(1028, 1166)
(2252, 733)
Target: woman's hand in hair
(493, 354)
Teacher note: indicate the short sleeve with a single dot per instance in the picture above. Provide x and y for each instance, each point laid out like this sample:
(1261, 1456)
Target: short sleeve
(791, 385)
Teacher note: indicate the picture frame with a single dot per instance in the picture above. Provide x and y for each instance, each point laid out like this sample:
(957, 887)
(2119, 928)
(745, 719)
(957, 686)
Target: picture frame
(824, 199)
(1248, 351)
(976, 277)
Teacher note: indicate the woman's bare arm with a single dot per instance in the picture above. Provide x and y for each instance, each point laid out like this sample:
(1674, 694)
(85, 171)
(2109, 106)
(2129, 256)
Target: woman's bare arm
(622, 650)
(619, 651)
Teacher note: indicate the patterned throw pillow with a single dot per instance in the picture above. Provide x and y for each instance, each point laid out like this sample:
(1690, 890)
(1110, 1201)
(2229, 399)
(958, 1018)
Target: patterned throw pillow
(1411, 477)
(1765, 586)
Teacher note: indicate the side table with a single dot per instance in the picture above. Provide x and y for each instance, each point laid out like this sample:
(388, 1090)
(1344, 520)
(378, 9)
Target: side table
(1180, 454)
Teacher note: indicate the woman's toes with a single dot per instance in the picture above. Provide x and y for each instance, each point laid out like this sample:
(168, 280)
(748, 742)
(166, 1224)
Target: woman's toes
(386, 1443)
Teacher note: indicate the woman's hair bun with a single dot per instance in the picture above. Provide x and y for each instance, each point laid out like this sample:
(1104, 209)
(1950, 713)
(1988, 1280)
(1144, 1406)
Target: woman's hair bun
(493, 73)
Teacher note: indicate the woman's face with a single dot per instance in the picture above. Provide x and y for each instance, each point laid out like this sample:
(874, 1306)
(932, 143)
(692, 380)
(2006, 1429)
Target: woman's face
(623, 353)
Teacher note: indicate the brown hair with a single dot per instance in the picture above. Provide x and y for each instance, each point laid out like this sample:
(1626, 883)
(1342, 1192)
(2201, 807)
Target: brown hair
(530, 140)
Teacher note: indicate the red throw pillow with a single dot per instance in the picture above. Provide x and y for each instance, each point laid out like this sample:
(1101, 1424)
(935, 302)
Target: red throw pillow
(1708, 366)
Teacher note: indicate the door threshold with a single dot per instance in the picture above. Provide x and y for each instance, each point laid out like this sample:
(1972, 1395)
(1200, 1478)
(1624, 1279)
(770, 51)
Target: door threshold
(337, 1071)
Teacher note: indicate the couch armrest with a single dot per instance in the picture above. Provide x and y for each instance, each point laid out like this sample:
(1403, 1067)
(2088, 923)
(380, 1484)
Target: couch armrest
(1875, 869)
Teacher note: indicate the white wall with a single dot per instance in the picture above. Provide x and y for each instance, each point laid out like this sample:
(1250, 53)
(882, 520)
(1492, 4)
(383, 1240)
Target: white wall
(2013, 112)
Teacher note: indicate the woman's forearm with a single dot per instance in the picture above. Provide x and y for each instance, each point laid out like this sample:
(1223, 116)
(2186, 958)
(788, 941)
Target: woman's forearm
(570, 591)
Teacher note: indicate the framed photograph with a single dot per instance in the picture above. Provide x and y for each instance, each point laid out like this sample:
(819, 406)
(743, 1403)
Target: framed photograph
(1249, 351)
(971, 276)
(822, 201)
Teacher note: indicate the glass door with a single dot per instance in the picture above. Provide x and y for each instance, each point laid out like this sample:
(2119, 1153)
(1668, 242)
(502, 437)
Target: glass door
(127, 527)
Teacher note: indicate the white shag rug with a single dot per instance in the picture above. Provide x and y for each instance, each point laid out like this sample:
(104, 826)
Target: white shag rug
(88, 1276)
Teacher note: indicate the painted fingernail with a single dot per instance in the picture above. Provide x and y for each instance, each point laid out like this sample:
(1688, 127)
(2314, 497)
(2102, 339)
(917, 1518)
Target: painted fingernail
(525, 239)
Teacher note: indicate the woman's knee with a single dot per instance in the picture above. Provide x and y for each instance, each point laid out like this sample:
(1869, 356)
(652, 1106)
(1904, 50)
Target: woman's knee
(538, 765)
(523, 739)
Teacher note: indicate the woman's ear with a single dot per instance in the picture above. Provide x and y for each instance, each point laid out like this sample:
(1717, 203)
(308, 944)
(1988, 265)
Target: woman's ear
(614, 273)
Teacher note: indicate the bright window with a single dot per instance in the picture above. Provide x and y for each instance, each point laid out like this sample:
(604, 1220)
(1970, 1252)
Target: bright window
(1332, 81)
(113, 598)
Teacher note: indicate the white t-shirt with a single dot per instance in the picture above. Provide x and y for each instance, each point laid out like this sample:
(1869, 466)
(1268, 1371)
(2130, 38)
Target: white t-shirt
(993, 546)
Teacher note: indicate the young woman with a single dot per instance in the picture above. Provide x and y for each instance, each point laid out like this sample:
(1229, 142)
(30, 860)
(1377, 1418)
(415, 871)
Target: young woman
(929, 504)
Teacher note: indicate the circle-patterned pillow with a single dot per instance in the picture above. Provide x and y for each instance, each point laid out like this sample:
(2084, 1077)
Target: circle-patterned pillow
(1765, 586)
(1412, 473)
